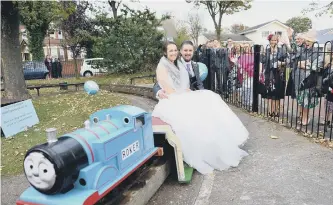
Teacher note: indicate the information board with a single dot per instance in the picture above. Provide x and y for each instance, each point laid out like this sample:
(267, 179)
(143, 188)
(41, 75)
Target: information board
(18, 117)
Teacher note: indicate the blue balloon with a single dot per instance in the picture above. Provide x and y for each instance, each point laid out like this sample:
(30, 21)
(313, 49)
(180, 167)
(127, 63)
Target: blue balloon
(203, 71)
(91, 87)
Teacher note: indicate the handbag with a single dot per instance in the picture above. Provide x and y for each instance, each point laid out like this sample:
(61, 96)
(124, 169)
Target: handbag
(314, 83)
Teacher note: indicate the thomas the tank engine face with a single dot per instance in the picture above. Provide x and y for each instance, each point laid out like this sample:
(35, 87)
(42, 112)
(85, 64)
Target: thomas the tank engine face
(40, 171)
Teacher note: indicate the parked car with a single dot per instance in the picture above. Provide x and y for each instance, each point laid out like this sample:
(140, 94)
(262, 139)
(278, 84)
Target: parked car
(93, 66)
(35, 70)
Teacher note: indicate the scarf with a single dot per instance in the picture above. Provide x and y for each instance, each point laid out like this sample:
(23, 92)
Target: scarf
(179, 76)
(173, 71)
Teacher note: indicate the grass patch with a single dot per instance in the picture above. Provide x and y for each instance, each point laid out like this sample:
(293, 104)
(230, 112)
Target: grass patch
(66, 112)
(105, 79)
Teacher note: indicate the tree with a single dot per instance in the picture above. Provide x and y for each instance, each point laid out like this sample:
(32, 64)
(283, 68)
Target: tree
(37, 16)
(130, 42)
(323, 10)
(182, 33)
(76, 29)
(196, 27)
(299, 24)
(236, 28)
(217, 9)
(11, 61)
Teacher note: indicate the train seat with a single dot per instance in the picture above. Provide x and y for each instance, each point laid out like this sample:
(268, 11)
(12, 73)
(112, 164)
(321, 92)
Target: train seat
(184, 171)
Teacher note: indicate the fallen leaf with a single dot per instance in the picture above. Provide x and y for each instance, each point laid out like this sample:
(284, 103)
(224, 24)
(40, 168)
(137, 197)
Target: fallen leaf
(274, 137)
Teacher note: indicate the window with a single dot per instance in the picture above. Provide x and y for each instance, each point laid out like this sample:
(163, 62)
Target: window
(139, 121)
(264, 34)
(278, 33)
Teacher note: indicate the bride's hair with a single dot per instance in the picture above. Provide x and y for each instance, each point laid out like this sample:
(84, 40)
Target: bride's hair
(165, 50)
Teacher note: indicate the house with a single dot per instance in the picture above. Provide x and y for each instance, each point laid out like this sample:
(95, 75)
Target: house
(239, 39)
(169, 29)
(258, 34)
(52, 45)
(25, 54)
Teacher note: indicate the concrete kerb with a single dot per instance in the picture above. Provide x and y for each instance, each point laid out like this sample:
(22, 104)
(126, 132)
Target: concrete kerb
(153, 181)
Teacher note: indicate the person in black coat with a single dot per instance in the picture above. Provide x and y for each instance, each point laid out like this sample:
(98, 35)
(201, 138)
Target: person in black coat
(273, 63)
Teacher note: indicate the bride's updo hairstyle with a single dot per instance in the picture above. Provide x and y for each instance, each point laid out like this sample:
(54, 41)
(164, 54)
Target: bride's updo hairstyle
(165, 49)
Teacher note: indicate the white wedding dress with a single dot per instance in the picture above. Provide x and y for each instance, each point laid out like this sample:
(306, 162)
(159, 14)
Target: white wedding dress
(209, 131)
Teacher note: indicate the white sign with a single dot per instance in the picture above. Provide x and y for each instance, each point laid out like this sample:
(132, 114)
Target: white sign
(18, 117)
(130, 150)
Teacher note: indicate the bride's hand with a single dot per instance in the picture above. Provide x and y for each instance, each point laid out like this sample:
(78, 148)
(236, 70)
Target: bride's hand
(188, 90)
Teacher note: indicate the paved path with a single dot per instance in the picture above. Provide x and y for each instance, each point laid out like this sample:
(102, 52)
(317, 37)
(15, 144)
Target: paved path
(290, 170)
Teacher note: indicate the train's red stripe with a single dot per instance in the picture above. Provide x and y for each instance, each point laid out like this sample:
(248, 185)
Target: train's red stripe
(94, 133)
(103, 128)
(84, 140)
(19, 202)
(112, 124)
(92, 199)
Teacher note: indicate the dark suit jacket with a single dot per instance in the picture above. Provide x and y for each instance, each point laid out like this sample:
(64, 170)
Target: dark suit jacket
(196, 85)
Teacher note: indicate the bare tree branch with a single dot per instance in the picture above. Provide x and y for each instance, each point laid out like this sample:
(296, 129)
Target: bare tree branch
(195, 26)
(217, 9)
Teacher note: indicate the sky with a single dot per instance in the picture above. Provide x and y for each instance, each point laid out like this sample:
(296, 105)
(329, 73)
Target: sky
(261, 11)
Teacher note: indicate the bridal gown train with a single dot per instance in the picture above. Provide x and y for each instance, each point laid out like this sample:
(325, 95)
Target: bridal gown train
(209, 131)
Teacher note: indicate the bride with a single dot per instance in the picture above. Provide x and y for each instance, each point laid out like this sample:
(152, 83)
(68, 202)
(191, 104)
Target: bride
(210, 133)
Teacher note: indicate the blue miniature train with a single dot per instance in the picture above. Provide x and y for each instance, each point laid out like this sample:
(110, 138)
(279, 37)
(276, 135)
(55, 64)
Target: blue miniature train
(81, 167)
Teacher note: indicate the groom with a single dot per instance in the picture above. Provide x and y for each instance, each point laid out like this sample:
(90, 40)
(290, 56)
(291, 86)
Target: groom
(186, 50)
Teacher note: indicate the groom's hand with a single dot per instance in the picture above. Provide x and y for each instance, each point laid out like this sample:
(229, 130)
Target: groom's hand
(162, 94)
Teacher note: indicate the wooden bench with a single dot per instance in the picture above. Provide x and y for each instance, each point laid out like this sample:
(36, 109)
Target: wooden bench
(63, 86)
(184, 171)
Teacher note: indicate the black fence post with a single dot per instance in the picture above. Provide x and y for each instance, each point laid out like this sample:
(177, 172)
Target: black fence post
(209, 78)
(255, 102)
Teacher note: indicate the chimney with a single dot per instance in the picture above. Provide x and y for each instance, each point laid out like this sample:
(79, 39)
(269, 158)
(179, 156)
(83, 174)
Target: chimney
(51, 134)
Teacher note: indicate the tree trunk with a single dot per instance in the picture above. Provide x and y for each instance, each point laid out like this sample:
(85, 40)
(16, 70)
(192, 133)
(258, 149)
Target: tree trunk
(36, 40)
(114, 8)
(76, 68)
(89, 49)
(11, 61)
(218, 33)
